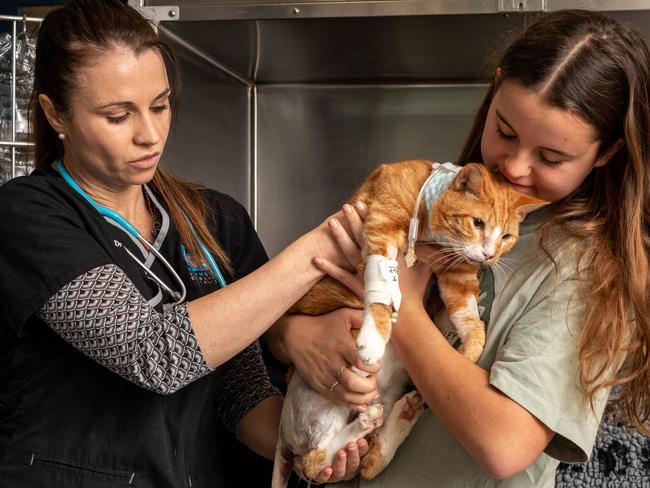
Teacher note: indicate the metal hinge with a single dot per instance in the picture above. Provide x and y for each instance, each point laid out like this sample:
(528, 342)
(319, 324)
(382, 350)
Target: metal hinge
(158, 13)
(522, 5)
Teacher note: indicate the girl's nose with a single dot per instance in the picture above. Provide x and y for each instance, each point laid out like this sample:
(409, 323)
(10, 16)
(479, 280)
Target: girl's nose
(516, 166)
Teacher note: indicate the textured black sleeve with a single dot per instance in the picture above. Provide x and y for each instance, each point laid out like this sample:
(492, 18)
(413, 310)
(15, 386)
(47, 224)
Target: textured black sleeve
(103, 315)
(244, 384)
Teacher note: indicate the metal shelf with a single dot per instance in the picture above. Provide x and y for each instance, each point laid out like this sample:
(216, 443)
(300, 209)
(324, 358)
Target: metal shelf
(195, 10)
(13, 143)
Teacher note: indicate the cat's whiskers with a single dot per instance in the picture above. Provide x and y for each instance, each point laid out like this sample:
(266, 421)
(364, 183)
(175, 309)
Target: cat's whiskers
(502, 265)
(454, 260)
(445, 255)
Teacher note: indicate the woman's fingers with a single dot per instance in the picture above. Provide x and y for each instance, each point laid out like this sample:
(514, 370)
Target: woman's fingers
(355, 216)
(346, 243)
(324, 476)
(346, 463)
(363, 446)
(354, 382)
(366, 368)
(354, 281)
(354, 390)
(356, 401)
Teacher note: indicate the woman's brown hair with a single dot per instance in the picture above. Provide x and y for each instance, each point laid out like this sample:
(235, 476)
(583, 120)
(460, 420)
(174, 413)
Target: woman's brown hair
(598, 69)
(68, 40)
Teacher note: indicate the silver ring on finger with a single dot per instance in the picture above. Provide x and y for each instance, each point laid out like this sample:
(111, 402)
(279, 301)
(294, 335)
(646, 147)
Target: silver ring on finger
(334, 385)
(339, 373)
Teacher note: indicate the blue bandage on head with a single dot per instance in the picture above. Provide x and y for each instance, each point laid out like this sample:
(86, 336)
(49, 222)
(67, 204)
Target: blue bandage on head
(438, 181)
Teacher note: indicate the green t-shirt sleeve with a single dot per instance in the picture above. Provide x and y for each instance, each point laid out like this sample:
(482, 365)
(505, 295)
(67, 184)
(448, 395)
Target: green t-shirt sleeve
(537, 366)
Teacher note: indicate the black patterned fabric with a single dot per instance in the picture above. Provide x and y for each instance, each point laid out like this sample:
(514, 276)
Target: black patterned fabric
(69, 420)
(621, 458)
(244, 384)
(103, 315)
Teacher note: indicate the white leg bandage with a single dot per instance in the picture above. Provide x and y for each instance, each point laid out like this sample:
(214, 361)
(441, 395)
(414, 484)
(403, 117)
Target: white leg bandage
(382, 285)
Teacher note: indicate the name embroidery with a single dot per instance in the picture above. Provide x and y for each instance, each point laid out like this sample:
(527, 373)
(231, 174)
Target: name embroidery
(198, 268)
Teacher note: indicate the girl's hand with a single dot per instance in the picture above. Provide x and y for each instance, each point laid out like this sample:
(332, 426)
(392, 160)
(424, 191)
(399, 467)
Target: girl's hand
(348, 233)
(322, 349)
(346, 463)
(413, 281)
(344, 239)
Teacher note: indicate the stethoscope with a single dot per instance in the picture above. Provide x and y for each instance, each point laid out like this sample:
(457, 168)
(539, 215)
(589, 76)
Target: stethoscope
(179, 297)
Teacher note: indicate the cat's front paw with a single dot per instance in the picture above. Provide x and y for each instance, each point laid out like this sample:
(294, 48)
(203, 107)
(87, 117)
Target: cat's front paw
(370, 343)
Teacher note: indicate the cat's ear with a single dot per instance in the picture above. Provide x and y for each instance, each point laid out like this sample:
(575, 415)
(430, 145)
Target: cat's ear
(526, 204)
(469, 179)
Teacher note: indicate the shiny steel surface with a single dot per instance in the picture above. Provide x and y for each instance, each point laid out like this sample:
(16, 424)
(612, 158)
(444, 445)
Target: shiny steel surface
(272, 9)
(374, 49)
(289, 115)
(317, 143)
(210, 138)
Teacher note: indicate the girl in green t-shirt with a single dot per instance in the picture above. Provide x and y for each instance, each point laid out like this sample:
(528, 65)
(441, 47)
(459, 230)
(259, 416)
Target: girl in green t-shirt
(567, 119)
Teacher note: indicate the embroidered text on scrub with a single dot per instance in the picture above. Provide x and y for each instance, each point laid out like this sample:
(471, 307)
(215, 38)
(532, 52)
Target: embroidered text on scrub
(438, 181)
(381, 284)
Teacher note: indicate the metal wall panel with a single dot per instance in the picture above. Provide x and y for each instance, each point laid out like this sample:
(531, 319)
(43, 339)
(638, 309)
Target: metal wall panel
(210, 140)
(333, 98)
(317, 143)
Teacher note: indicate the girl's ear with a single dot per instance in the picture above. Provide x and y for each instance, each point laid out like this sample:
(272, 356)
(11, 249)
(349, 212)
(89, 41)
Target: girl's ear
(604, 159)
(53, 116)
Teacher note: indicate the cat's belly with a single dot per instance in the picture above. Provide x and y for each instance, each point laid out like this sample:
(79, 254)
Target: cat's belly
(308, 418)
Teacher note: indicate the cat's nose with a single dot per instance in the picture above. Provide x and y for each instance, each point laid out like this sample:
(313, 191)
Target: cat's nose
(488, 254)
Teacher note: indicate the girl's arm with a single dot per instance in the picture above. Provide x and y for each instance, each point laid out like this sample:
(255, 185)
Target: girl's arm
(503, 437)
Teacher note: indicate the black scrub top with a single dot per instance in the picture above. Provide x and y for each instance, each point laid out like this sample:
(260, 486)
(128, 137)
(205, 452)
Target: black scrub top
(66, 421)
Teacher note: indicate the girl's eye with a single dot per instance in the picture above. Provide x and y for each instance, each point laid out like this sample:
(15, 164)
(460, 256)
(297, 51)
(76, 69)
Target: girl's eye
(549, 162)
(159, 108)
(117, 119)
(478, 223)
(503, 135)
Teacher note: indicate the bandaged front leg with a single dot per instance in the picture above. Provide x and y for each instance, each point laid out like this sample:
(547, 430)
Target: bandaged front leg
(382, 297)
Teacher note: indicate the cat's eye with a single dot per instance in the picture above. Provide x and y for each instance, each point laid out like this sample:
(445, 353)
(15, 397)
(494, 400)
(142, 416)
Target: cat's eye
(478, 223)
(506, 236)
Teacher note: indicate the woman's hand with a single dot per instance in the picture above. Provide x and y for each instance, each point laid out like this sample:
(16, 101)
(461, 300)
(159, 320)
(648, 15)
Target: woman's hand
(322, 348)
(346, 463)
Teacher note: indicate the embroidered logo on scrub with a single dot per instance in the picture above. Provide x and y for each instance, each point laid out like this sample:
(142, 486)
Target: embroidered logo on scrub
(198, 268)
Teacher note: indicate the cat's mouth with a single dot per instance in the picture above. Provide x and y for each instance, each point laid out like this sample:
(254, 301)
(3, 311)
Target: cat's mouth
(474, 261)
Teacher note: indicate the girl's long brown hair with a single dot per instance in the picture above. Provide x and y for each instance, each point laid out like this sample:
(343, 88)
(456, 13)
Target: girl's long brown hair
(69, 39)
(598, 69)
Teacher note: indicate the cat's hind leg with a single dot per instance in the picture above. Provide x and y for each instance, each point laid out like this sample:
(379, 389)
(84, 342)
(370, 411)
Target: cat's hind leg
(322, 456)
(397, 426)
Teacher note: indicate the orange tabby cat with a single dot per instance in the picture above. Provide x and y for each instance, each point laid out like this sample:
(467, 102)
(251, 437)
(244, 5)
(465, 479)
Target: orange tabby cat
(471, 223)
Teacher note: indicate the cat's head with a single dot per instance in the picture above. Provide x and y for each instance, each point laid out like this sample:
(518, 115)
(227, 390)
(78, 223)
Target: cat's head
(477, 218)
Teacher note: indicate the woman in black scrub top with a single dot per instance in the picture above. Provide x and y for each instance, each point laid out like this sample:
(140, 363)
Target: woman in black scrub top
(107, 376)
